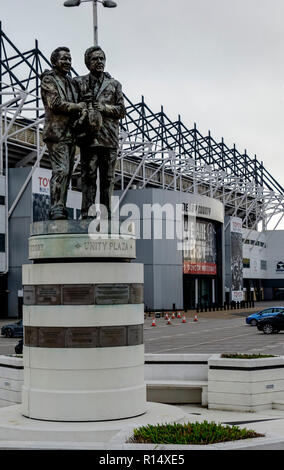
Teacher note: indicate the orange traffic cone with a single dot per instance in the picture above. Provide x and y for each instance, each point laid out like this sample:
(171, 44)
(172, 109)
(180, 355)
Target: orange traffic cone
(167, 316)
(178, 315)
(183, 319)
(173, 316)
(154, 322)
(195, 318)
(169, 322)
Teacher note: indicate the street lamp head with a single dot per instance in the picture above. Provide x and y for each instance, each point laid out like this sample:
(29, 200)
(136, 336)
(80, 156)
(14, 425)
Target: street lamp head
(76, 3)
(105, 3)
(72, 3)
(109, 4)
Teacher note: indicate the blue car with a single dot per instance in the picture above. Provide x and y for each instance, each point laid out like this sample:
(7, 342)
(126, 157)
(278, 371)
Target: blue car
(13, 330)
(268, 312)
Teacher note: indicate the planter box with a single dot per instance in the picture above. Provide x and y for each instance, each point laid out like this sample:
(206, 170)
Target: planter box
(11, 380)
(245, 384)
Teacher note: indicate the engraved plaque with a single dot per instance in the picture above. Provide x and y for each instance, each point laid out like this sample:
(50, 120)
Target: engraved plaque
(48, 295)
(36, 249)
(31, 336)
(134, 335)
(111, 294)
(78, 294)
(85, 337)
(29, 295)
(136, 295)
(112, 336)
(51, 337)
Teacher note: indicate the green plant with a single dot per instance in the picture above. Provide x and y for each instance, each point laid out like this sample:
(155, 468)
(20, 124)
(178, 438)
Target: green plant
(190, 433)
(246, 356)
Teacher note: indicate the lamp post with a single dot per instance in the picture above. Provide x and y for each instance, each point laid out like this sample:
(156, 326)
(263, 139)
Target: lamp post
(105, 3)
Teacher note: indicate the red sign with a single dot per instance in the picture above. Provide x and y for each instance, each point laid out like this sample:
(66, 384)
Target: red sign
(190, 267)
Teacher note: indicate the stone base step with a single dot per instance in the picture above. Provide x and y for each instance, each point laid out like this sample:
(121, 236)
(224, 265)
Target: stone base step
(16, 428)
(279, 405)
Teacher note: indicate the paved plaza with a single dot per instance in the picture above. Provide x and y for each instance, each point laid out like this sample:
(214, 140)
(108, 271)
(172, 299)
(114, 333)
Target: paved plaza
(213, 332)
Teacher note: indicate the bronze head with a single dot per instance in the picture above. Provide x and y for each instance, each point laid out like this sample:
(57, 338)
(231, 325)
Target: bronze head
(95, 59)
(61, 60)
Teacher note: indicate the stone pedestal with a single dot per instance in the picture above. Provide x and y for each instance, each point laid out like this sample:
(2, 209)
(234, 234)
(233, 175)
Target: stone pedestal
(83, 325)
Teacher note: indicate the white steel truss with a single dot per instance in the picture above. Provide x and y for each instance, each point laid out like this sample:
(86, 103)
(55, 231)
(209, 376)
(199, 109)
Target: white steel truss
(141, 164)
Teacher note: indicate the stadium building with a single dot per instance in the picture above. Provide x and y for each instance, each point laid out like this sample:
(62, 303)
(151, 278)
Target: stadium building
(212, 202)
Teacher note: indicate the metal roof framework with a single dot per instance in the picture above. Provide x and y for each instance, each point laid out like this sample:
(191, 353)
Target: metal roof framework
(154, 150)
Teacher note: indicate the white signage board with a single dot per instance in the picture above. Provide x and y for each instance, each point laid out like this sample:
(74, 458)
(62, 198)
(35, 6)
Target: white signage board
(237, 295)
(236, 225)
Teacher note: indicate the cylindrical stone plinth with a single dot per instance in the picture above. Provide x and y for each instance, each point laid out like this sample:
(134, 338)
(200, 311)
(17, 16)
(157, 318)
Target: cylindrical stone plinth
(83, 341)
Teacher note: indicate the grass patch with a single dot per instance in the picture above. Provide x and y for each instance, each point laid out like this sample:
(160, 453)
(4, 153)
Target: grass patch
(246, 356)
(190, 433)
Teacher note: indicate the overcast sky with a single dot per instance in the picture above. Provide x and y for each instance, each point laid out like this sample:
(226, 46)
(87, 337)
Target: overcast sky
(219, 63)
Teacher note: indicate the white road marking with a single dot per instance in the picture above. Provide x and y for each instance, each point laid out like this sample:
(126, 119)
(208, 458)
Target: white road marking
(201, 344)
(7, 344)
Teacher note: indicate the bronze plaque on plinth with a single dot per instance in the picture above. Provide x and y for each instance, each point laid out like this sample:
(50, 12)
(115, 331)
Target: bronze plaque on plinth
(78, 294)
(136, 295)
(51, 337)
(48, 294)
(31, 336)
(29, 296)
(111, 294)
(82, 337)
(134, 335)
(112, 336)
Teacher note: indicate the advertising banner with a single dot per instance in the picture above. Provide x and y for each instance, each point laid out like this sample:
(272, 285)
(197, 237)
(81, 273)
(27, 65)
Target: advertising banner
(41, 197)
(236, 259)
(190, 267)
(200, 253)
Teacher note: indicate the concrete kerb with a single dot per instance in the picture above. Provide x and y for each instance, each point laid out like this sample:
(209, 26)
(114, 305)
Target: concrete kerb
(233, 445)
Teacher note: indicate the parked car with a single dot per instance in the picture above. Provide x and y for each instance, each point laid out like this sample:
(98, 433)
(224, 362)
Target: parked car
(267, 312)
(19, 347)
(272, 324)
(13, 330)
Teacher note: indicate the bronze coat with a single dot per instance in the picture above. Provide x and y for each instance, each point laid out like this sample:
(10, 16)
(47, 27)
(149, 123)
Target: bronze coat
(110, 95)
(59, 112)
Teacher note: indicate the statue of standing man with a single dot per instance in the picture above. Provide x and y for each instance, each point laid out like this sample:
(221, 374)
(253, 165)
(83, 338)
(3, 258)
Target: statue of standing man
(62, 109)
(100, 131)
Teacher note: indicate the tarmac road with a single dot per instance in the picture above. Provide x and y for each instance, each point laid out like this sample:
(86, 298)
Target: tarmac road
(209, 336)
(7, 345)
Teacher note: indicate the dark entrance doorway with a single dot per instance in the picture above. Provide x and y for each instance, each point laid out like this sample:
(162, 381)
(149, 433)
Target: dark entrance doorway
(199, 289)
(278, 293)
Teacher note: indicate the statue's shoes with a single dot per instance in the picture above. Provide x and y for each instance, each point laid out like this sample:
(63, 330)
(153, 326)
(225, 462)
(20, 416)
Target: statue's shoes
(58, 216)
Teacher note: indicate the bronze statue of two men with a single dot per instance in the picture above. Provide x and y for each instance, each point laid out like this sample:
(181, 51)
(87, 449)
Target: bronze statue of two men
(83, 111)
